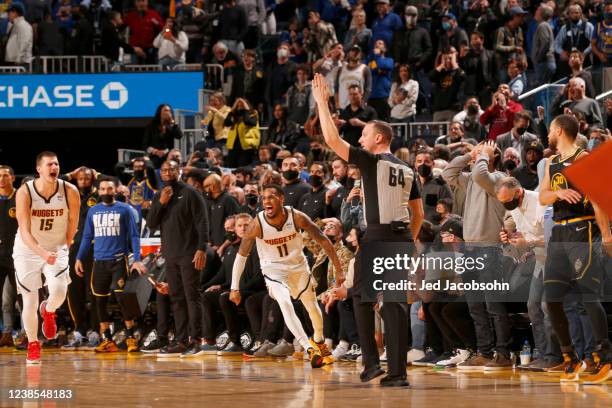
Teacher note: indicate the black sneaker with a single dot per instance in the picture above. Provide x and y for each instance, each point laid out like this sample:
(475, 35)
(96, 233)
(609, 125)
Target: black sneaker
(428, 360)
(172, 350)
(193, 350)
(155, 346)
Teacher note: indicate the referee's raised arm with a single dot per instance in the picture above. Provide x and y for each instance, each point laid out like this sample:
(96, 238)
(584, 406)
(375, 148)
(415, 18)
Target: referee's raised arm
(328, 128)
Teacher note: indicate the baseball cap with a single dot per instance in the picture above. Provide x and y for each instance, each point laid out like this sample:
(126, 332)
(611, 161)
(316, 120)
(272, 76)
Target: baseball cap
(517, 10)
(450, 15)
(535, 145)
(355, 47)
(411, 10)
(16, 7)
(453, 226)
(382, 1)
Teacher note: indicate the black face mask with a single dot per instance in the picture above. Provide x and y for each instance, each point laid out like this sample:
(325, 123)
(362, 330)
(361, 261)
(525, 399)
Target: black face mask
(316, 152)
(251, 199)
(511, 205)
(121, 198)
(240, 183)
(424, 170)
(472, 110)
(106, 198)
(139, 174)
(230, 236)
(509, 165)
(172, 183)
(350, 183)
(86, 191)
(207, 195)
(343, 180)
(437, 217)
(290, 175)
(521, 131)
(316, 181)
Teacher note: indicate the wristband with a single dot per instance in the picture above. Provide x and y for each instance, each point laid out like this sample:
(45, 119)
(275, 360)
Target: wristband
(237, 270)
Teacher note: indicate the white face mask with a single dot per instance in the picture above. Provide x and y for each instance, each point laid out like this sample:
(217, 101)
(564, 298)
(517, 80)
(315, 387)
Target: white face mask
(282, 53)
(411, 21)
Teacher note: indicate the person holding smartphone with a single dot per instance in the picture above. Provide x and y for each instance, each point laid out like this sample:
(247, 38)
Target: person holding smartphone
(172, 44)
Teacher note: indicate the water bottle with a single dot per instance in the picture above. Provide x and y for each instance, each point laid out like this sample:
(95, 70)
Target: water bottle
(526, 354)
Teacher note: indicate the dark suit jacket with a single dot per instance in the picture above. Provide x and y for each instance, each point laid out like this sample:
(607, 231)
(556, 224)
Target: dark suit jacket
(504, 141)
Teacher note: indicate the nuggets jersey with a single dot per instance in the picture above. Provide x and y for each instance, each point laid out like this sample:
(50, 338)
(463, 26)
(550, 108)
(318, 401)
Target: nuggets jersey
(280, 247)
(48, 218)
(562, 209)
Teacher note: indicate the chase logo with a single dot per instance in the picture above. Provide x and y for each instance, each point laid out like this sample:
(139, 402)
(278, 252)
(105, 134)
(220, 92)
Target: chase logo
(114, 95)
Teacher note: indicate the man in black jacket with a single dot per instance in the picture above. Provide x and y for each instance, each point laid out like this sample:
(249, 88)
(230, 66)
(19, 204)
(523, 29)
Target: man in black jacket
(221, 205)
(294, 188)
(478, 63)
(111, 38)
(178, 211)
(313, 203)
(8, 229)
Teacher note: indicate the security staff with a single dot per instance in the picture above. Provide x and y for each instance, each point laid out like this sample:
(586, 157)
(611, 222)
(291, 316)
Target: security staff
(178, 211)
(294, 188)
(221, 205)
(313, 203)
(389, 187)
(8, 229)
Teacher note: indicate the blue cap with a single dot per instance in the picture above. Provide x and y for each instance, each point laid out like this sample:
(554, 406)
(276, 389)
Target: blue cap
(449, 15)
(517, 10)
(17, 7)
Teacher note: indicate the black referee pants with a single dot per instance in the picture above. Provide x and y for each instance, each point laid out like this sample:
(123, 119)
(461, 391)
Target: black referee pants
(184, 282)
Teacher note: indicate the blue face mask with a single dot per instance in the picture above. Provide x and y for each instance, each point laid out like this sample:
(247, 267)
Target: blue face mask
(446, 26)
(593, 143)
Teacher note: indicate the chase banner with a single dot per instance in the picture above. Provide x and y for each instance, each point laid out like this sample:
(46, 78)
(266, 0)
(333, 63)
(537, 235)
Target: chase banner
(83, 96)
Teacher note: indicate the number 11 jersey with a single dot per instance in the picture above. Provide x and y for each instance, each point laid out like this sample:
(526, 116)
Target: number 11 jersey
(280, 247)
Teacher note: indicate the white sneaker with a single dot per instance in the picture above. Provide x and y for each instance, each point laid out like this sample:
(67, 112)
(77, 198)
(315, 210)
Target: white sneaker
(383, 356)
(414, 355)
(458, 357)
(340, 350)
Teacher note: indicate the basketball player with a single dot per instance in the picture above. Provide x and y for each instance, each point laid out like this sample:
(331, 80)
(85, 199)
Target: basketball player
(276, 231)
(48, 215)
(574, 260)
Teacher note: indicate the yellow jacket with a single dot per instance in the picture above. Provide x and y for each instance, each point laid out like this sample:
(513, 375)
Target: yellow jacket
(247, 131)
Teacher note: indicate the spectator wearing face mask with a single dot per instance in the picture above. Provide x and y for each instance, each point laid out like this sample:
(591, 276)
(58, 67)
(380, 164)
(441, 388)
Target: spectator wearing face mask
(432, 188)
(412, 44)
(313, 203)
(601, 41)
(318, 152)
(251, 195)
(142, 186)
(243, 137)
(518, 137)
(451, 35)
(527, 173)
(293, 187)
(597, 136)
(470, 117)
(221, 205)
(510, 160)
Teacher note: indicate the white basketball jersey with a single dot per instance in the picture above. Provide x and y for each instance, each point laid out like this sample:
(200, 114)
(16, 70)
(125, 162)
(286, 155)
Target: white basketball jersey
(48, 218)
(280, 247)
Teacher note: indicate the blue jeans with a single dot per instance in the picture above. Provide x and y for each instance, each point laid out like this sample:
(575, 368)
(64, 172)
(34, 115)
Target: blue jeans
(417, 327)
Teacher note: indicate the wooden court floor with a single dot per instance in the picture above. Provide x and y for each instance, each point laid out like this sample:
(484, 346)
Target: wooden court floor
(119, 380)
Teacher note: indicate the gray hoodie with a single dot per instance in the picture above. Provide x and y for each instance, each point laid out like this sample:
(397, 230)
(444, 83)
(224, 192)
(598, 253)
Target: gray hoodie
(483, 215)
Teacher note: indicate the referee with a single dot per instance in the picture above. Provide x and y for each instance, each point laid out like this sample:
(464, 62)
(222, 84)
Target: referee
(385, 179)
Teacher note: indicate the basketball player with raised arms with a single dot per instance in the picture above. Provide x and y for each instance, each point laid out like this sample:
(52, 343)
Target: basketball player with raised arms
(276, 231)
(48, 214)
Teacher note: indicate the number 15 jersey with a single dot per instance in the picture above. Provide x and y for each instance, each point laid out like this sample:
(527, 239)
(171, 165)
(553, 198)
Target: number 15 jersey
(48, 217)
(280, 247)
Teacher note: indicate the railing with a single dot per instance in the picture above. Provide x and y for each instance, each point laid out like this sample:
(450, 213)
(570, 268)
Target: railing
(429, 131)
(187, 67)
(543, 95)
(214, 76)
(603, 95)
(189, 123)
(143, 68)
(68, 64)
(126, 155)
(12, 70)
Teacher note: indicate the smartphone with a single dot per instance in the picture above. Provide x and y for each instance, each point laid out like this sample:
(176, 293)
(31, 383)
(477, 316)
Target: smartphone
(152, 280)
(357, 183)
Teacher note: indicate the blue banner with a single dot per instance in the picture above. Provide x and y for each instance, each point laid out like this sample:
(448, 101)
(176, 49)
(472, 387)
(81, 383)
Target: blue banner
(76, 96)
